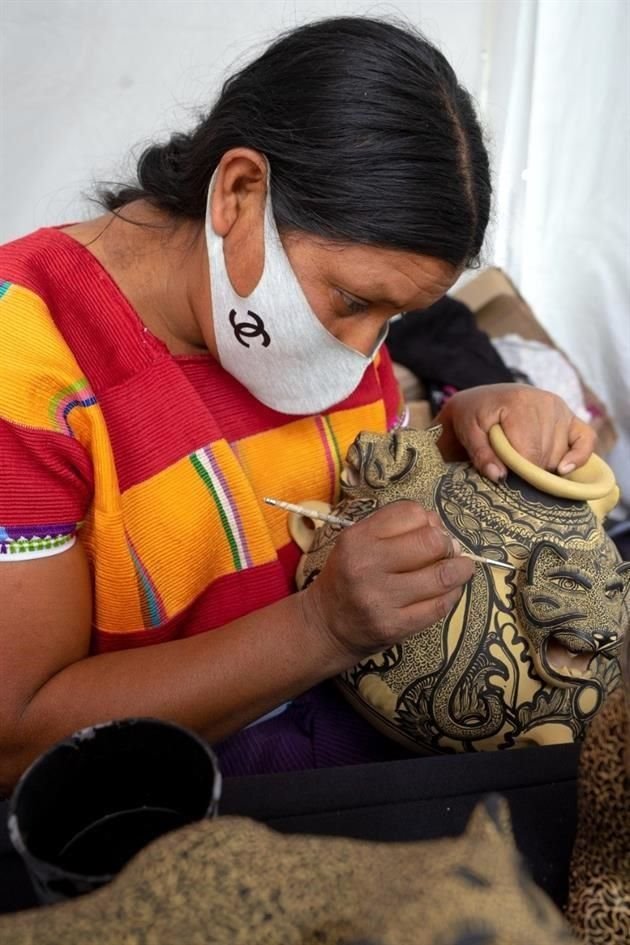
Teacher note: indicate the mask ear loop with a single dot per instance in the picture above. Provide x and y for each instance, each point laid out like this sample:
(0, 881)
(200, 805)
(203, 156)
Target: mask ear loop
(594, 481)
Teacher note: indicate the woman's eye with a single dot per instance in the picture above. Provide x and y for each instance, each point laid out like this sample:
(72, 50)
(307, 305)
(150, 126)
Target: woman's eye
(613, 591)
(353, 306)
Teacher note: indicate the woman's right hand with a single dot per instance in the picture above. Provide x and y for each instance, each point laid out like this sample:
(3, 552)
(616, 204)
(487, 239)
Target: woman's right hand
(390, 575)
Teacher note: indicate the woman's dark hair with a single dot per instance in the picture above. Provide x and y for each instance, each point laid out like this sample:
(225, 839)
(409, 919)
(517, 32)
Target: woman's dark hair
(369, 135)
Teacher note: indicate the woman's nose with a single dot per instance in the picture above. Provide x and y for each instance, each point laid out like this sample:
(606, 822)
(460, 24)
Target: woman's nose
(365, 335)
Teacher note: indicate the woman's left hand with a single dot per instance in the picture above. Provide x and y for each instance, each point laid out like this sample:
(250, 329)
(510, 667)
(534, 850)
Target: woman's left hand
(538, 424)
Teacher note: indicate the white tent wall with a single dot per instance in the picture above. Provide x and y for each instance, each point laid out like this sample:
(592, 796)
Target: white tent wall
(563, 189)
(82, 82)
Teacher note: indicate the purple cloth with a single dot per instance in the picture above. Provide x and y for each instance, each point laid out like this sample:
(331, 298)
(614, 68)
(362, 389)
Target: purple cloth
(318, 730)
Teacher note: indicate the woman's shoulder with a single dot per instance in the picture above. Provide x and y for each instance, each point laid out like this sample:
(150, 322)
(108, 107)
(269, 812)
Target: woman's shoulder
(26, 261)
(34, 270)
(65, 309)
(33, 273)
(26, 300)
(38, 369)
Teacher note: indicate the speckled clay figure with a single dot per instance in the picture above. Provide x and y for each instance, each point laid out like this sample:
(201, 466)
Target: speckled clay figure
(528, 655)
(599, 893)
(232, 881)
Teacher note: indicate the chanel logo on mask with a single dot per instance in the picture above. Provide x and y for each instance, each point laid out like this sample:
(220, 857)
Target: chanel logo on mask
(249, 329)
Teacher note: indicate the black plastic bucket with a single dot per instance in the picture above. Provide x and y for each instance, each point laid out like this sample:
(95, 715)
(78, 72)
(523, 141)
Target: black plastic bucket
(86, 806)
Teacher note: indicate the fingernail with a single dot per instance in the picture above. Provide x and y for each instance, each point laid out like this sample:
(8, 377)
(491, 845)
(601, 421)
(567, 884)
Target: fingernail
(565, 468)
(493, 472)
(457, 548)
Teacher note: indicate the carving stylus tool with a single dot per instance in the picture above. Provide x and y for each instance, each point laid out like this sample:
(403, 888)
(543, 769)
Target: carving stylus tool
(309, 513)
(345, 522)
(491, 561)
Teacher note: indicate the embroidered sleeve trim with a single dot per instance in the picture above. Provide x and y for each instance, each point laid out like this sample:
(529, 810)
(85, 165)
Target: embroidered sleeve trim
(26, 549)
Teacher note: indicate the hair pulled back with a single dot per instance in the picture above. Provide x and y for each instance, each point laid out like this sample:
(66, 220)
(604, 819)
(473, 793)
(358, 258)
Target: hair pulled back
(369, 135)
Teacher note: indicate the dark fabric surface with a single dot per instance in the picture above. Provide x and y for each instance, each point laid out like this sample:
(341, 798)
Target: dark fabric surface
(415, 799)
(318, 730)
(444, 348)
(621, 537)
(426, 798)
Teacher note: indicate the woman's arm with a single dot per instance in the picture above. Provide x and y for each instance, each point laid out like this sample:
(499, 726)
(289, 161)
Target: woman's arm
(214, 682)
(388, 576)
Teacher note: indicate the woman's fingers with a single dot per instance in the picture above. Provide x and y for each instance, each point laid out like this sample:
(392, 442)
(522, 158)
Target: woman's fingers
(417, 548)
(424, 613)
(398, 558)
(396, 518)
(475, 440)
(544, 440)
(443, 578)
(582, 439)
(537, 437)
(406, 537)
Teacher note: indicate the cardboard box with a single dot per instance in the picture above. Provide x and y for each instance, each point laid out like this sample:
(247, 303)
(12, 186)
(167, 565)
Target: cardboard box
(484, 287)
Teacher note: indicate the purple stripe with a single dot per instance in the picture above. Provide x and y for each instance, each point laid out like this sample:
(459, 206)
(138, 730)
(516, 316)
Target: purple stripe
(154, 604)
(237, 519)
(65, 407)
(37, 531)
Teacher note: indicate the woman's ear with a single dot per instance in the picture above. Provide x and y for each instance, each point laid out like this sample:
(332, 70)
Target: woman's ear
(237, 214)
(240, 187)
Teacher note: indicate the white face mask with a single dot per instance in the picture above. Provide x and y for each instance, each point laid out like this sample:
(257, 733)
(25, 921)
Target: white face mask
(272, 341)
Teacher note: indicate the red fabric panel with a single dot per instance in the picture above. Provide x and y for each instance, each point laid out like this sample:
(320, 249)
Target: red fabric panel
(147, 429)
(252, 417)
(221, 603)
(389, 387)
(102, 329)
(45, 477)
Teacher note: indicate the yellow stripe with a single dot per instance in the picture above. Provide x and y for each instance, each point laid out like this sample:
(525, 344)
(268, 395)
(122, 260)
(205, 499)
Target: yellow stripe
(35, 361)
(117, 604)
(304, 471)
(181, 542)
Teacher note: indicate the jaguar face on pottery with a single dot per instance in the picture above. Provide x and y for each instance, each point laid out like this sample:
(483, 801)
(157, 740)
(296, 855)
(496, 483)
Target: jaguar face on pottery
(528, 655)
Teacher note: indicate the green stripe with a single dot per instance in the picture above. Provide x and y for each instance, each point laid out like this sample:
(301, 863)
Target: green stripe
(73, 388)
(334, 441)
(20, 545)
(203, 473)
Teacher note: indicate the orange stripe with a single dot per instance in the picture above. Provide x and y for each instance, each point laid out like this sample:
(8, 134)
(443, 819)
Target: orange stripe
(330, 462)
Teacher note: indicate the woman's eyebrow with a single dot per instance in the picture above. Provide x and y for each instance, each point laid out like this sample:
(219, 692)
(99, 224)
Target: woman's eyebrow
(402, 302)
(380, 293)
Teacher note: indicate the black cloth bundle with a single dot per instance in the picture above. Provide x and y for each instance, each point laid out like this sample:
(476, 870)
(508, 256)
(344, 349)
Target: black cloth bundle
(445, 350)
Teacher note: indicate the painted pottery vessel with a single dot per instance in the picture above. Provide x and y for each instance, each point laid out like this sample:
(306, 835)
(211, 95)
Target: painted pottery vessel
(528, 655)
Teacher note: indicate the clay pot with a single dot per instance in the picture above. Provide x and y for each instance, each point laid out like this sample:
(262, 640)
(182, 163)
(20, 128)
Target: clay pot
(528, 655)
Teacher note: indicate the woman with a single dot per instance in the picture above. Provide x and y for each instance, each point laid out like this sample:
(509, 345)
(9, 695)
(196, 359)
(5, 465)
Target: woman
(166, 365)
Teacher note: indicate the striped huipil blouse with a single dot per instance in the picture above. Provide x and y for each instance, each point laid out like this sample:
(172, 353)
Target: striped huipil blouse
(157, 464)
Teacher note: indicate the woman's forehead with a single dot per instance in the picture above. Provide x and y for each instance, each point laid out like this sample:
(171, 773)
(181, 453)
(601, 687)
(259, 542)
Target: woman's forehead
(394, 275)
